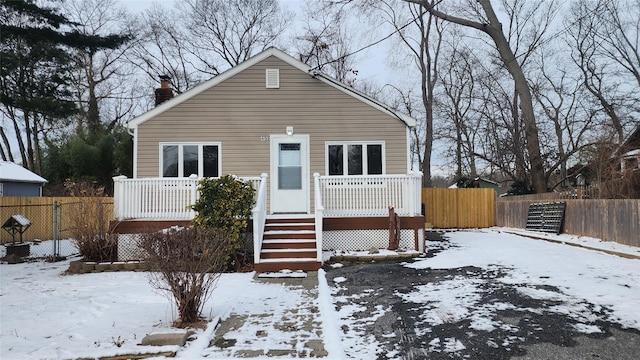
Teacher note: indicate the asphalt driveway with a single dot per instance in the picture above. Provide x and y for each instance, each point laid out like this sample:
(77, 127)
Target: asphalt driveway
(495, 319)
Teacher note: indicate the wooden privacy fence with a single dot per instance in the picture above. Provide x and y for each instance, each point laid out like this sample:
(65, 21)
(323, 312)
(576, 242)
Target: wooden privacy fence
(40, 211)
(607, 219)
(459, 208)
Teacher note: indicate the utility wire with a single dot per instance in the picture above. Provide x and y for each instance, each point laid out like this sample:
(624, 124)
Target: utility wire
(397, 30)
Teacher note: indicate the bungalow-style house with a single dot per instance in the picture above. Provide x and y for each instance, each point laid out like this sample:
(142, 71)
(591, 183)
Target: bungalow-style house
(16, 180)
(326, 161)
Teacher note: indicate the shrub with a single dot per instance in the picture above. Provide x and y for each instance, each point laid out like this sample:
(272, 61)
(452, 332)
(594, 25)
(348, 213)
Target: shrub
(90, 216)
(225, 203)
(186, 263)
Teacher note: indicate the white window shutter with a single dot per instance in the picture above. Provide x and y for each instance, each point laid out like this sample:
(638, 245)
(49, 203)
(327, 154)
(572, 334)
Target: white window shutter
(273, 78)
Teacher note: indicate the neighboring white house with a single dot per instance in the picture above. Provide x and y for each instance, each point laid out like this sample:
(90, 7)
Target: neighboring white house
(15, 180)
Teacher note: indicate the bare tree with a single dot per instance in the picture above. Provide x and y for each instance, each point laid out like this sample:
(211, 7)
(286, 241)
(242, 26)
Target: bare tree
(224, 33)
(604, 36)
(491, 25)
(326, 42)
(160, 50)
(559, 95)
(420, 34)
(457, 76)
(102, 73)
(199, 39)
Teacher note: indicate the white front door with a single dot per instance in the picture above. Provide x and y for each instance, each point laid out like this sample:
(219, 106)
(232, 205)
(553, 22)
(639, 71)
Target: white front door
(289, 173)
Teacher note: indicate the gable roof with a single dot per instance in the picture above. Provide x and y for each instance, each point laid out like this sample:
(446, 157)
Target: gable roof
(133, 123)
(13, 172)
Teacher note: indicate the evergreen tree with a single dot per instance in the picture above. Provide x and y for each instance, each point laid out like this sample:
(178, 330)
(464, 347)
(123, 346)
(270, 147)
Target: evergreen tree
(35, 68)
(93, 158)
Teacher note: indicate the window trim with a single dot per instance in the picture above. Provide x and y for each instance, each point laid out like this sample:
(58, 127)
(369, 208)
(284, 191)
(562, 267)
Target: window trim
(180, 145)
(345, 156)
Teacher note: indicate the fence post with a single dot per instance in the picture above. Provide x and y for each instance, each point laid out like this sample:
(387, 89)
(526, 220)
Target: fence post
(56, 241)
(194, 190)
(119, 195)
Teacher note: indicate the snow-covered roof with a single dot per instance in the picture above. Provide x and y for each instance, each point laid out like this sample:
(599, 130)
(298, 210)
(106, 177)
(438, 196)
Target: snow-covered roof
(133, 123)
(13, 172)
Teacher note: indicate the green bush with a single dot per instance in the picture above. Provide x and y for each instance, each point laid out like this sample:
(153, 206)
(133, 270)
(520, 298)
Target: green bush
(225, 203)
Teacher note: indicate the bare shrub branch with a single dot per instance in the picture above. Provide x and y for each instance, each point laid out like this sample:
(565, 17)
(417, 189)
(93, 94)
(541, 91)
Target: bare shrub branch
(90, 220)
(186, 264)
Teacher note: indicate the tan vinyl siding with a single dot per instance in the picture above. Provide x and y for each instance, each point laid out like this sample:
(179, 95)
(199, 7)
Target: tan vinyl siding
(239, 111)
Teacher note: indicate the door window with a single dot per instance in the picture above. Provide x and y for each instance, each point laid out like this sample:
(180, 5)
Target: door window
(289, 167)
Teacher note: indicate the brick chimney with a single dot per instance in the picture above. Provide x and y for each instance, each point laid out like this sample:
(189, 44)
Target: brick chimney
(164, 92)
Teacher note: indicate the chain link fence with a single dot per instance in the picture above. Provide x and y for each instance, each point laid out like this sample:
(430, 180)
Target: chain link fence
(48, 235)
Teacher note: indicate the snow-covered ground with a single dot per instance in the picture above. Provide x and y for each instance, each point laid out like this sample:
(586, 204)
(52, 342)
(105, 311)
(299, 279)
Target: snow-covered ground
(43, 249)
(47, 315)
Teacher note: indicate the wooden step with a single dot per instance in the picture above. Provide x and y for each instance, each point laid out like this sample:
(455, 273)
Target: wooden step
(289, 244)
(271, 265)
(287, 253)
(289, 227)
(303, 234)
(280, 220)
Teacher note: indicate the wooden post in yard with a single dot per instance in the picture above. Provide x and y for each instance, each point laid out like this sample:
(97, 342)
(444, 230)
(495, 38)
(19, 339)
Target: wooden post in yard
(394, 232)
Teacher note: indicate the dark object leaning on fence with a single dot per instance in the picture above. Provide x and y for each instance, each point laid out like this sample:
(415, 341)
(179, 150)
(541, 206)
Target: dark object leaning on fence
(546, 217)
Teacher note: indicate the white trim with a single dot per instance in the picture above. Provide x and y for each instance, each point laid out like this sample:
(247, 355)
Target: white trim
(134, 123)
(345, 156)
(180, 145)
(135, 153)
(409, 162)
(275, 139)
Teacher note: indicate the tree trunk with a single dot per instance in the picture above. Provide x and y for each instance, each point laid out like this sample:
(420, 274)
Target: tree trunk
(494, 30)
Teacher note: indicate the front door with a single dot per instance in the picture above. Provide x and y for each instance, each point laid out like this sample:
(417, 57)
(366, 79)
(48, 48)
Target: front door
(289, 173)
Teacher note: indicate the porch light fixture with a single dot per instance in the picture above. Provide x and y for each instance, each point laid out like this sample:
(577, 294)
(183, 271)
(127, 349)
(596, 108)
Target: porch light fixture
(289, 130)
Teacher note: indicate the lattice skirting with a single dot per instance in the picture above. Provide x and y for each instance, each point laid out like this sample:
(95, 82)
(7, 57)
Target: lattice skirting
(130, 250)
(364, 240)
(352, 240)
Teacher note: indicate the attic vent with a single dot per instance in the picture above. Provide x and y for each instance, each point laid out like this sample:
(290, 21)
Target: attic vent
(273, 78)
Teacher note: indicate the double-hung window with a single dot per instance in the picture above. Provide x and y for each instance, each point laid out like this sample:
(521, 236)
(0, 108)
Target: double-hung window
(184, 159)
(355, 158)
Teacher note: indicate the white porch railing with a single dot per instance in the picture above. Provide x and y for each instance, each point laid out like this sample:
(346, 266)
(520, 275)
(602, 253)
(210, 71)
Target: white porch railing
(335, 196)
(370, 195)
(259, 217)
(158, 198)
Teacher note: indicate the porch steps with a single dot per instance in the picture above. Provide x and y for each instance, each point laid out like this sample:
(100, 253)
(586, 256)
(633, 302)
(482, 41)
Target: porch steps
(288, 243)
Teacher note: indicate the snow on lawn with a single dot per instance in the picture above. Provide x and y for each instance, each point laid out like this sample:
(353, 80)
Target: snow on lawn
(47, 315)
(43, 249)
(585, 285)
(581, 274)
